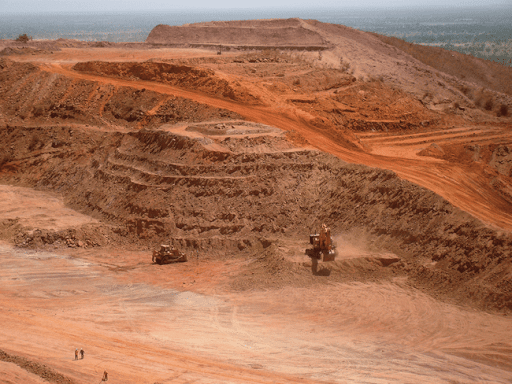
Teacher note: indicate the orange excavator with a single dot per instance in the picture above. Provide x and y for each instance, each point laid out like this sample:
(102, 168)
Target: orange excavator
(323, 246)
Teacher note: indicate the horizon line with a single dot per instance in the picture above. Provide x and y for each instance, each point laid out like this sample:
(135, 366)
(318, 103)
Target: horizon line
(266, 8)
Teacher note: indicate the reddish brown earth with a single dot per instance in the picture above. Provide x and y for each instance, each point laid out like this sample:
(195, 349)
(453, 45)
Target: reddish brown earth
(108, 150)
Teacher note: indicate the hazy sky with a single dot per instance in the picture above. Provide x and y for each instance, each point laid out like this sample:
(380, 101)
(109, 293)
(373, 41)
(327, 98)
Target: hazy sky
(153, 5)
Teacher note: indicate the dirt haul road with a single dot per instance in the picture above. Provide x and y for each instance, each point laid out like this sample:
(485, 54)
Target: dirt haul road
(461, 184)
(143, 333)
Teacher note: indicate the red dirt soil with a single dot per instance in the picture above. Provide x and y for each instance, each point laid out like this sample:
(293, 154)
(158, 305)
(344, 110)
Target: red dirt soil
(109, 150)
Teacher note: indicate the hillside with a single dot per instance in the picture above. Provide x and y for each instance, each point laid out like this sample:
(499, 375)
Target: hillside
(109, 150)
(255, 33)
(484, 73)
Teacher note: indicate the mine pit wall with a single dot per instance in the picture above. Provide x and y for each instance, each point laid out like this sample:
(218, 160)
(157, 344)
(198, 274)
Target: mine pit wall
(201, 79)
(268, 36)
(152, 186)
(36, 97)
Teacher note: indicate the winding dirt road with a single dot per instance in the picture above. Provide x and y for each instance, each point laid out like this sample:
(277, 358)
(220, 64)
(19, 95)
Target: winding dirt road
(465, 186)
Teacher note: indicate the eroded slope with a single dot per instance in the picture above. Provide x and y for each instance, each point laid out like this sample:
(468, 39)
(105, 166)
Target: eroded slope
(259, 33)
(30, 94)
(241, 187)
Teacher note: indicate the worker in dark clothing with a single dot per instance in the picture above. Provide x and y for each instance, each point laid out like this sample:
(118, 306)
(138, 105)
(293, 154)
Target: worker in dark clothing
(105, 376)
(82, 353)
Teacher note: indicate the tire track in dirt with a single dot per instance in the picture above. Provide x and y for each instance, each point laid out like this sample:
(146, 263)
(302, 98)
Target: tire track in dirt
(462, 136)
(115, 323)
(374, 333)
(110, 94)
(399, 137)
(389, 318)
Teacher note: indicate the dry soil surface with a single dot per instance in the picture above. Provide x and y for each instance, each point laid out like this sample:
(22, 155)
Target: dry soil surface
(184, 323)
(141, 332)
(108, 150)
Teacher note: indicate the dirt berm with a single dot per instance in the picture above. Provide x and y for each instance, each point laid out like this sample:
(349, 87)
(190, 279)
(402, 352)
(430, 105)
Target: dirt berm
(278, 33)
(30, 94)
(200, 79)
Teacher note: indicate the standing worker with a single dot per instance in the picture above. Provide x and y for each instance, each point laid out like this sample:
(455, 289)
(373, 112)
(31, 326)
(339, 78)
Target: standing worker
(82, 353)
(76, 353)
(105, 376)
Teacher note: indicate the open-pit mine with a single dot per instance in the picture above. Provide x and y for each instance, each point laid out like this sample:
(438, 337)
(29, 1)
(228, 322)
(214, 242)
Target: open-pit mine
(232, 142)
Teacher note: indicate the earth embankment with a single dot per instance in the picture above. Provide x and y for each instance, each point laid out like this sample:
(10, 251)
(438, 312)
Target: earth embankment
(233, 192)
(258, 33)
(40, 96)
(203, 80)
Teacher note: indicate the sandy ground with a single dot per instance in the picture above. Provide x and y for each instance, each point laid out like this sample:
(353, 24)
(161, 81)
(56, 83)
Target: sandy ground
(145, 323)
(12, 374)
(140, 333)
(38, 209)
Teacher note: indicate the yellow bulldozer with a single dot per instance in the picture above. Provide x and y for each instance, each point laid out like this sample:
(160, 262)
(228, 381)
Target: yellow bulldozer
(323, 247)
(167, 255)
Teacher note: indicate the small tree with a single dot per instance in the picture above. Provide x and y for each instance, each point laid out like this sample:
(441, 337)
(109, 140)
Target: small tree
(24, 38)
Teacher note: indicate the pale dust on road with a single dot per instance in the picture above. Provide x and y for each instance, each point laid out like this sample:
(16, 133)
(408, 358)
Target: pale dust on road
(41, 210)
(142, 333)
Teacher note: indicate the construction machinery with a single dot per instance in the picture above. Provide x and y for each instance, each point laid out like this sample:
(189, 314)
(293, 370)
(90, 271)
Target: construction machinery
(167, 255)
(323, 246)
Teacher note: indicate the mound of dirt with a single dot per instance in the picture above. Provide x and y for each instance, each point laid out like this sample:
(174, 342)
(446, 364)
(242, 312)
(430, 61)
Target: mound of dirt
(21, 51)
(501, 159)
(58, 98)
(433, 150)
(203, 80)
(495, 159)
(260, 33)
(41, 370)
(284, 264)
(374, 107)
